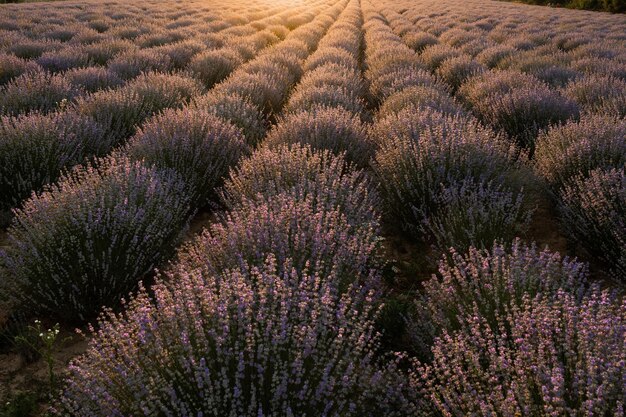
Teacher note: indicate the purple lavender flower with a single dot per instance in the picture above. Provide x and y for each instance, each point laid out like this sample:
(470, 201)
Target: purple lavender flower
(87, 241)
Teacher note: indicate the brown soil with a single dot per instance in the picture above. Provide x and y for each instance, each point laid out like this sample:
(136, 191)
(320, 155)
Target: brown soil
(18, 376)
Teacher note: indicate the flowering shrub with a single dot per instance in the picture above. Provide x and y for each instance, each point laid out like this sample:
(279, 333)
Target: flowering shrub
(599, 94)
(181, 53)
(491, 57)
(132, 63)
(303, 172)
(37, 91)
(87, 241)
(454, 71)
(289, 227)
(433, 56)
(488, 283)
(12, 66)
(122, 110)
(92, 79)
(577, 148)
(330, 55)
(518, 104)
(259, 342)
(35, 148)
(420, 97)
(594, 213)
(550, 65)
(31, 49)
(335, 129)
(333, 75)
(325, 96)
(100, 53)
(417, 155)
(474, 214)
(64, 59)
(197, 145)
(418, 41)
(237, 110)
(263, 90)
(547, 356)
(213, 66)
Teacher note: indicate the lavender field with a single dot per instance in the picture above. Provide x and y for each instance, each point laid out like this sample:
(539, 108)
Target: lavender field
(312, 208)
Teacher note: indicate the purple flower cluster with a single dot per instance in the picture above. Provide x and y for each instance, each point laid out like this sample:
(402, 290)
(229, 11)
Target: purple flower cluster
(470, 214)
(575, 149)
(303, 172)
(36, 91)
(123, 109)
(12, 66)
(268, 341)
(238, 110)
(35, 148)
(546, 356)
(518, 104)
(593, 210)
(197, 145)
(334, 129)
(420, 98)
(488, 282)
(86, 241)
(288, 227)
(419, 154)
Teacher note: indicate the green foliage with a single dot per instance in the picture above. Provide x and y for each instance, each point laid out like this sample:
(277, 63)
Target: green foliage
(613, 6)
(23, 404)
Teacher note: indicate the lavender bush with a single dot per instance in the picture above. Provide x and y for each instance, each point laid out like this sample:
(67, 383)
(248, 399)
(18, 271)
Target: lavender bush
(263, 342)
(35, 148)
(37, 91)
(474, 214)
(599, 94)
(433, 56)
(487, 283)
(263, 90)
(417, 155)
(492, 56)
(213, 66)
(64, 59)
(122, 110)
(12, 66)
(518, 104)
(293, 228)
(333, 75)
(197, 145)
(593, 210)
(420, 97)
(92, 79)
(88, 240)
(303, 173)
(577, 148)
(456, 70)
(547, 356)
(237, 110)
(335, 129)
(418, 41)
(130, 64)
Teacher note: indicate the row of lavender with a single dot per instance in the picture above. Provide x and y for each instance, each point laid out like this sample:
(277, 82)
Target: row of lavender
(56, 116)
(542, 92)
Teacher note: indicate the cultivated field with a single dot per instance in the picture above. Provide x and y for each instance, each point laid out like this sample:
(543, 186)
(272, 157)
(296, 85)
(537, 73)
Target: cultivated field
(312, 208)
